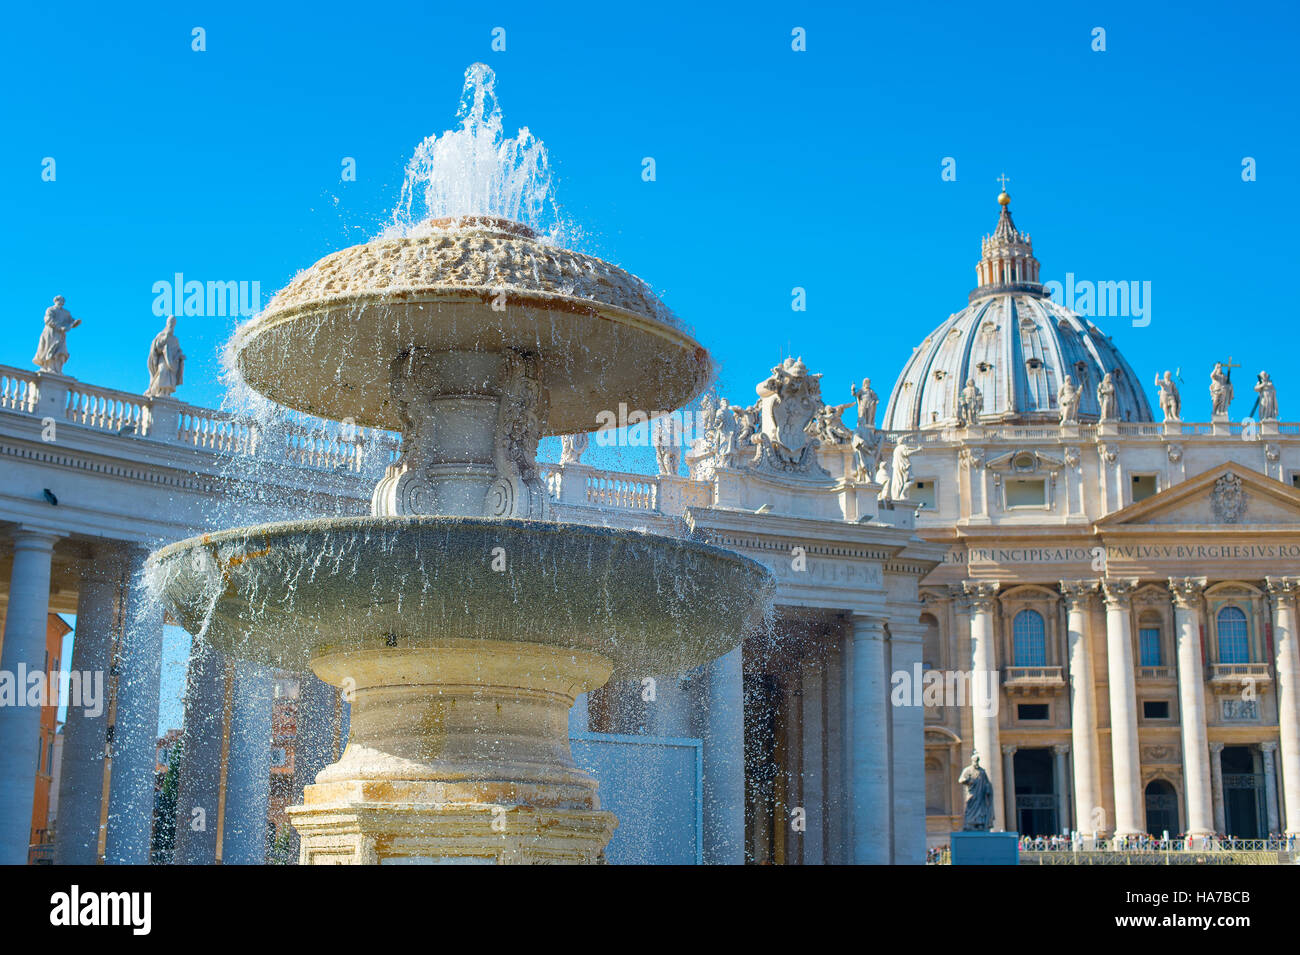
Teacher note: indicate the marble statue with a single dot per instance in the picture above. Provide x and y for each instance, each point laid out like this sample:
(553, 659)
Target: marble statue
(790, 398)
(746, 426)
(867, 402)
(1106, 398)
(572, 447)
(1171, 403)
(726, 430)
(979, 796)
(866, 453)
(901, 471)
(667, 437)
(1067, 401)
(1220, 390)
(970, 404)
(1267, 397)
(52, 350)
(882, 478)
(166, 362)
(827, 425)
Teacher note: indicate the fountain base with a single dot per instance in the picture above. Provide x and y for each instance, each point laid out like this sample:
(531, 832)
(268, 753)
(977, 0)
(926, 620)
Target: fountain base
(457, 753)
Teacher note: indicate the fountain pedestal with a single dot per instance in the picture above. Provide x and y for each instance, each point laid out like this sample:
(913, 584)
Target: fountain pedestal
(458, 753)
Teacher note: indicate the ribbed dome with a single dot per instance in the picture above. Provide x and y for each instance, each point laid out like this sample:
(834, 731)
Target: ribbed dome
(1018, 347)
(1016, 344)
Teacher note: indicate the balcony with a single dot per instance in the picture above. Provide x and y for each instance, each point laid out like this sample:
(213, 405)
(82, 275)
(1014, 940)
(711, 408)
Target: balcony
(1232, 677)
(1155, 674)
(1033, 681)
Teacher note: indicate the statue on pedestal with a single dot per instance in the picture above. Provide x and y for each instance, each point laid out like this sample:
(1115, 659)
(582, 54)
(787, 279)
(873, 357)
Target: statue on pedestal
(1220, 390)
(166, 362)
(1067, 401)
(970, 404)
(979, 797)
(1267, 397)
(901, 470)
(1106, 398)
(667, 436)
(867, 402)
(572, 447)
(52, 350)
(1171, 403)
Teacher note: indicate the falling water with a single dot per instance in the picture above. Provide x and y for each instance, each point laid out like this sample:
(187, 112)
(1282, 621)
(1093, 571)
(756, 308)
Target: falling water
(476, 171)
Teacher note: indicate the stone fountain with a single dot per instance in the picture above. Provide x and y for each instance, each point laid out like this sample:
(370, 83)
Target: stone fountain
(459, 618)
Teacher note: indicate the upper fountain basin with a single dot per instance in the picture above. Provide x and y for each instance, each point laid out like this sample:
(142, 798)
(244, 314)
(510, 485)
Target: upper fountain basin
(325, 344)
(282, 594)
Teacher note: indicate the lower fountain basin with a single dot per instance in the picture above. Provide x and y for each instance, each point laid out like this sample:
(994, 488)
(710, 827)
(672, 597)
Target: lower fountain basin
(283, 594)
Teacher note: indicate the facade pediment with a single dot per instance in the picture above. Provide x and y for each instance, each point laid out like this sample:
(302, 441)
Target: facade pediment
(1228, 494)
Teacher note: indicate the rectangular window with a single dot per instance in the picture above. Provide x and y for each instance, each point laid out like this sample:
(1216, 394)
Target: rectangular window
(1144, 486)
(1025, 492)
(923, 492)
(1032, 711)
(1149, 647)
(1155, 709)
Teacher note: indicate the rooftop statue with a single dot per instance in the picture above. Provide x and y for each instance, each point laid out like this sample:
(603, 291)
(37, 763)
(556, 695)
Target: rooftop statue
(867, 401)
(979, 797)
(1220, 390)
(1267, 397)
(1106, 398)
(52, 350)
(901, 471)
(1171, 403)
(573, 446)
(1067, 401)
(970, 404)
(667, 437)
(166, 362)
(827, 425)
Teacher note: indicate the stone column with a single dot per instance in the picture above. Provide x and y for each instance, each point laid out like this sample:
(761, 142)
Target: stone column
(835, 702)
(1187, 592)
(984, 713)
(1126, 766)
(1286, 643)
(1009, 787)
(1267, 749)
(85, 733)
(1062, 753)
(870, 754)
(23, 654)
(248, 767)
(908, 738)
(814, 781)
(202, 743)
(724, 761)
(138, 667)
(1216, 787)
(1083, 705)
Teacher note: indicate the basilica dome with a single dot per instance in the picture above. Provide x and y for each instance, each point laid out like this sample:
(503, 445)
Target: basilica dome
(1016, 344)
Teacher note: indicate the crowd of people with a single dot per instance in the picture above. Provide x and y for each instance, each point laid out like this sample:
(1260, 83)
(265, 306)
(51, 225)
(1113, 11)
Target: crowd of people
(938, 855)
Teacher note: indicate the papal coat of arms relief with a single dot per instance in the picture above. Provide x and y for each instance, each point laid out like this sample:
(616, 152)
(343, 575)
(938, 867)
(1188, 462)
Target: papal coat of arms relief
(1228, 499)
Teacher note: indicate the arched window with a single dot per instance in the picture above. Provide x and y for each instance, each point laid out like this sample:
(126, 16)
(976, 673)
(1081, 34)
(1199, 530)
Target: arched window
(1234, 640)
(1029, 643)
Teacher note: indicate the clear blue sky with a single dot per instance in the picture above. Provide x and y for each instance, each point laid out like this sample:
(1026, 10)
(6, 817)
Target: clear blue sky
(775, 169)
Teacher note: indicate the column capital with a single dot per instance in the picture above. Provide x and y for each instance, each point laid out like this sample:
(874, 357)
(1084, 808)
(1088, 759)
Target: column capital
(1268, 746)
(1216, 748)
(1060, 749)
(1282, 587)
(868, 627)
(1009, 749)
(1119, 592)
(26, 537)
(981, 594)
(1079, 593)
(1186, 591)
